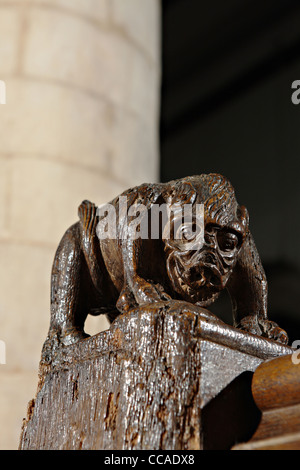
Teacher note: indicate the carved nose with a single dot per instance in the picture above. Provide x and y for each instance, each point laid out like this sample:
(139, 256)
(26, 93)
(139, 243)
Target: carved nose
(213, 279)
(195, 274)
(209, 258)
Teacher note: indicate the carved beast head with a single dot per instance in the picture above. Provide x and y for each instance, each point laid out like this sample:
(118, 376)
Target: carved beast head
(200, 271)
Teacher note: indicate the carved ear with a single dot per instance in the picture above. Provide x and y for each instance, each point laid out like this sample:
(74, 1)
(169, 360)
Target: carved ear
(243, 216)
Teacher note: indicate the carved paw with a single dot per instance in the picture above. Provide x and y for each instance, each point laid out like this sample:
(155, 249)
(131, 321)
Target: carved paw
(73, 336)
(55, 340)
(273, 331)
(265, 328)
(250, 325)
(145, 293)
(126, 300)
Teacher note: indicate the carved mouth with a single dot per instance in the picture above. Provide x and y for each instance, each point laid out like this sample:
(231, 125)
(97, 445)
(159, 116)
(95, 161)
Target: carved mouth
(198, 279)
(201, 275)
(198, 289)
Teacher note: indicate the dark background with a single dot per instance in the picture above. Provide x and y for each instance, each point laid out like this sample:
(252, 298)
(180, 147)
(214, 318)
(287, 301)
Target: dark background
(228, 67)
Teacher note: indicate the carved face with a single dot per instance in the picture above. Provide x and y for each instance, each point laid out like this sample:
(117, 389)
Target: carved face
(198, 275)
(199, 271)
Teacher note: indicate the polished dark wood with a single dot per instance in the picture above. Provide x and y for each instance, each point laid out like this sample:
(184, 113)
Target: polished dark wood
(276, 392)
(165, 357)
(92, 275)
(165, 376)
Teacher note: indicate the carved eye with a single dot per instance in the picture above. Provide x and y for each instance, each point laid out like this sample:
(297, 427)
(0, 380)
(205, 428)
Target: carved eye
(227, 241)
(187, 232)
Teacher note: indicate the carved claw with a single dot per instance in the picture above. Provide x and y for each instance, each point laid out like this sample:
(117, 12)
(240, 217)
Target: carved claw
(265, 328)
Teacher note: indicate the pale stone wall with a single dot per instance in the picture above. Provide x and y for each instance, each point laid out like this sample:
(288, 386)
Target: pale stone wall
(80, 122)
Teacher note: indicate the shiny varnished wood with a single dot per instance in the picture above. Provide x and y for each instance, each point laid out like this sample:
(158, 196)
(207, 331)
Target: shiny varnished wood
(276, 391)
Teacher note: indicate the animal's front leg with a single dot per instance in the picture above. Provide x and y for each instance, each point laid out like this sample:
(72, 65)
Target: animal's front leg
(265, 328)
(137, 289)
(248, 290)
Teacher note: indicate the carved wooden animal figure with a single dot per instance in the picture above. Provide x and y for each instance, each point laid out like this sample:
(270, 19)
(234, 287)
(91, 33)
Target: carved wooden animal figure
(93, 276)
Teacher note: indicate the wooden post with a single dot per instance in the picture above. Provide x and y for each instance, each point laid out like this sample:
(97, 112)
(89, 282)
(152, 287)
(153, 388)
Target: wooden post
(149, 382)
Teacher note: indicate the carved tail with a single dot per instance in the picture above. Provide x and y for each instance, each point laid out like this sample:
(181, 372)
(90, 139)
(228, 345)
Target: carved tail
(87, 213)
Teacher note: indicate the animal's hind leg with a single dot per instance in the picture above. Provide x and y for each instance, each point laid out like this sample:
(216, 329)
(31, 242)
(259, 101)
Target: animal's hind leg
(67, 314)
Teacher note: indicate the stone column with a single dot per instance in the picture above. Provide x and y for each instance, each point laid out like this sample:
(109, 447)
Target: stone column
(80, 122)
